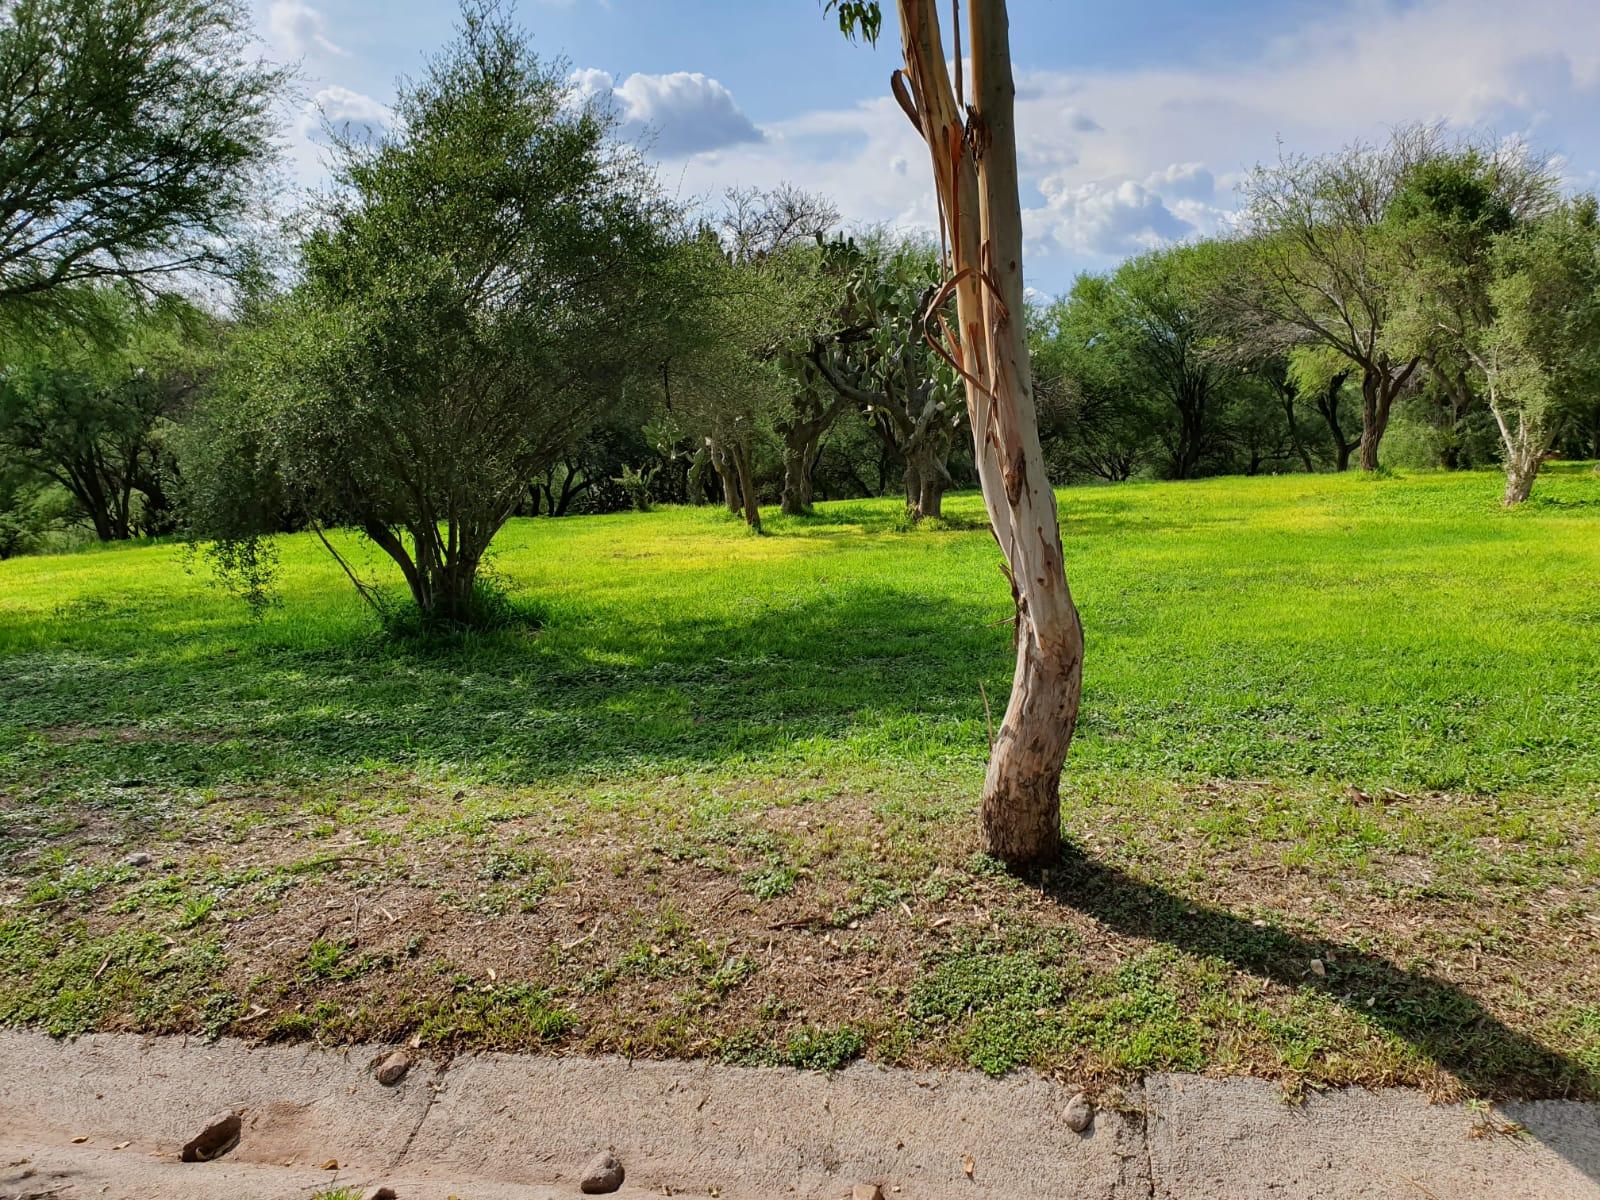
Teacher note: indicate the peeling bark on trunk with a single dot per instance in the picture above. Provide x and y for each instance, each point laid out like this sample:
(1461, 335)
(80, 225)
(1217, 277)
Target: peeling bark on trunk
(975, 171)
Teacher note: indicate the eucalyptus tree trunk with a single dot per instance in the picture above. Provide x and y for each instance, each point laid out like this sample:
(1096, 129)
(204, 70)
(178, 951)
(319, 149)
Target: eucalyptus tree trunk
(975, 171)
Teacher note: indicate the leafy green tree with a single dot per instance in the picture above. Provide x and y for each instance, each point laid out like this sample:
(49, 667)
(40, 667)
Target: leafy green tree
(1500, 283)
(1540, 351)
(1322, 272)
(481, 286)
(1149, 325)
(747, 316)
(880, 361)
(788, 221)
(94, 414)
(135, 138)
(1097, 418)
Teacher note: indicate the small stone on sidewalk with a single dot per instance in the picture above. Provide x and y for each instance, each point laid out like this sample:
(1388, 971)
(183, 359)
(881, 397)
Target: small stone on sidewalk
(602, 1174)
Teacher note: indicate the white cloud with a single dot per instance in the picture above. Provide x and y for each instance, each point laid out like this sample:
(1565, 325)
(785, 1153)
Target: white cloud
(296, 28)
(349, 111)
(1115, 160)
(353, 113)
(681, 114)
(1108, 219)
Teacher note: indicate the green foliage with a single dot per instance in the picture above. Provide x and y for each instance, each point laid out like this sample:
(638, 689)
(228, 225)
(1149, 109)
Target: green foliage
(861, 18)
(479, 289)
(95, 414)
(823, 1048)
(134, 145)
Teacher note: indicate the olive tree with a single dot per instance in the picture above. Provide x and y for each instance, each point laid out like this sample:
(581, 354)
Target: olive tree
(966, 120)
(479, 288)
(740, 321)
(135, 138)
(880, 361)
(1539, 352)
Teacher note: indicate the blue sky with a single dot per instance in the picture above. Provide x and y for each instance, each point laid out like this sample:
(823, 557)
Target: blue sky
(1136, 120)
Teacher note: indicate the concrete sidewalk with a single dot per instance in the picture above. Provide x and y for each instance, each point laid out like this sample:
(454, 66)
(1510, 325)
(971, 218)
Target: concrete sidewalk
(104, 1116)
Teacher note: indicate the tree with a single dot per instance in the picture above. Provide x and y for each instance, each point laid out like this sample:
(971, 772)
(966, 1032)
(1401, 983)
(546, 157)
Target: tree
(740, 321)
(134, 140)
(1322, 373)
(1321, 271)
(1149, 324)
(1539, 353)
(91, 413)
(1501, 283)
(787, 221)
(479, 289)
(880, 360)
(971, 140)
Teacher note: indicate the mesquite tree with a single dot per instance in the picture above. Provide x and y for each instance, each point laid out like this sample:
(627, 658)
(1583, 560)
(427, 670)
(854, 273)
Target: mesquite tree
(480, 288)
(967, 124)
(1324, 273)
(135, 142)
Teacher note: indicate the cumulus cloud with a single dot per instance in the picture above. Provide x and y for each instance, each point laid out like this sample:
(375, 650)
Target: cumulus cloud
(681, 113)
(1108, 219)
(1119, 159)
(350, 112)
(297, 28)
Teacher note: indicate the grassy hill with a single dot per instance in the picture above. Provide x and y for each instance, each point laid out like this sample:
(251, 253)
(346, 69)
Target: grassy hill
(1334, 799)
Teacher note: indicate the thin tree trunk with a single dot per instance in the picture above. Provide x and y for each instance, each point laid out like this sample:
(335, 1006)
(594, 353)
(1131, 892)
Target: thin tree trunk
(1374, 417)
(747, 492)
(1295, 439)
(1021, 808)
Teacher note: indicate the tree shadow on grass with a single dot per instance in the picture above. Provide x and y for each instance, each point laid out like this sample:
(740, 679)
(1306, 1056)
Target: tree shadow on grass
(1435, 1018)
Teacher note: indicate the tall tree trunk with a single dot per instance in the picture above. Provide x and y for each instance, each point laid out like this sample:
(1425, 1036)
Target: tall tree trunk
(743, 475)
(1380, 384)
(726, 474)
(1374, 416)
(799, 454)
(975, 172)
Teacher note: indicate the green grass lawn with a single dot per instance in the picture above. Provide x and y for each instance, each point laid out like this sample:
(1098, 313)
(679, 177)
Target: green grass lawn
(1334, 800)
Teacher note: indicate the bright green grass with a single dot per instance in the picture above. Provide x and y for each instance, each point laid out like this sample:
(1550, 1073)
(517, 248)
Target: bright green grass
(1399, 632)
(721, 801)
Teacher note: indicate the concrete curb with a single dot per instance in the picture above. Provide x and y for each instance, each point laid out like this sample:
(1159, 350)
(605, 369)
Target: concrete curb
(502, 1126)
